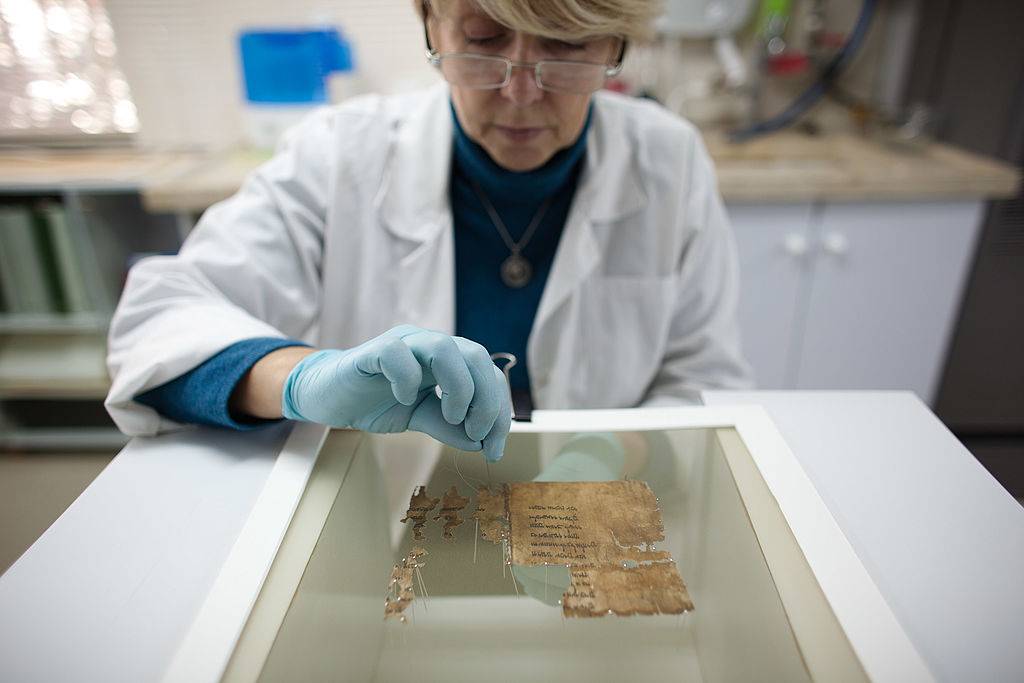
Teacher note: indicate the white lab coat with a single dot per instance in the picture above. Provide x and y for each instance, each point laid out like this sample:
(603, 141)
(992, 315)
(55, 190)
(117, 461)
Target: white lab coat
(347, 232)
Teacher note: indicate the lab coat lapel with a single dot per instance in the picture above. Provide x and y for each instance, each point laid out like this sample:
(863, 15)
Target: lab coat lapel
(414, 207)
(609, 190)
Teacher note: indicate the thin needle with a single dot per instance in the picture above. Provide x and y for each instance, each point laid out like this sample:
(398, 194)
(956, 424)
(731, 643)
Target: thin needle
(503, 542)
(487, 465)
(476, 533)
(455, 461)
(514, 584)
(423, 587)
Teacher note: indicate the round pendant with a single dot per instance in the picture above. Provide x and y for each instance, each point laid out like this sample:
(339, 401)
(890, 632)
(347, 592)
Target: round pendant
(516, 271)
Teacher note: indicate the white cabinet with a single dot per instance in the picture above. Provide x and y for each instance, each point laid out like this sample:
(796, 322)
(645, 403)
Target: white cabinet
(852, 295)
(774, 243)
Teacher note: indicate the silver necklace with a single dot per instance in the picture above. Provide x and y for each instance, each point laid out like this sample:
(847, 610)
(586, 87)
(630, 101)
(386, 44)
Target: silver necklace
(516, 271)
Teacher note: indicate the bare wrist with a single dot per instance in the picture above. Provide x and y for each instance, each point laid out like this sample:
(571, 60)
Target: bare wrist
(258, 393)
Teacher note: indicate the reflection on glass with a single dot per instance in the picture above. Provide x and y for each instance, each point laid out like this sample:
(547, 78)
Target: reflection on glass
(478, 624)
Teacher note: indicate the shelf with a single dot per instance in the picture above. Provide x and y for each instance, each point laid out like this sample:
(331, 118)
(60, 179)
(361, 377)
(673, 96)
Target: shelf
(67, 366)
(96, 170)
(53, 323)
(72, 439)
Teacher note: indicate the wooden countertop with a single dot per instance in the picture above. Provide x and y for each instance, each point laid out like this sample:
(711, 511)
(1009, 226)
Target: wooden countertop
(32, 170)
(214, 179)
(791, 167)
(785, 167)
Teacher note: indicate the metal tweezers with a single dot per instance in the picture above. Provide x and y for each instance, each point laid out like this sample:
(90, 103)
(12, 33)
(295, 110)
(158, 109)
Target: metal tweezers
(522, 403)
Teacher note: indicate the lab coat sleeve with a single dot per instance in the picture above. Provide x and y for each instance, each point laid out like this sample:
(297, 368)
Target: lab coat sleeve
(250, 268)
(703, 349)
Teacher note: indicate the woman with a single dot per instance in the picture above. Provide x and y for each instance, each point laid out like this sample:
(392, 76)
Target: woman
(515, 207)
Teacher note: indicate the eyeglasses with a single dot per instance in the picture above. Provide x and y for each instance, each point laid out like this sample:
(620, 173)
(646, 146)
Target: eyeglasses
(486, 72)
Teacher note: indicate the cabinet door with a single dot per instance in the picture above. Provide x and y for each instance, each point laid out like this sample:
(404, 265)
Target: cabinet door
(888, 279)
(774, 244)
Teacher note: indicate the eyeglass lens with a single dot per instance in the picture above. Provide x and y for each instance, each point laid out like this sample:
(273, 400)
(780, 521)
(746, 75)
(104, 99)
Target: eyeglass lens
(479, 71)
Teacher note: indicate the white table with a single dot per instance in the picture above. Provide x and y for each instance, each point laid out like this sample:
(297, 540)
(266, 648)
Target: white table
(942, 539)
(128, 566)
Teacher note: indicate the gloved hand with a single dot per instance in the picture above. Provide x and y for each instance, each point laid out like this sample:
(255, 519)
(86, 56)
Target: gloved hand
(585, 457)
(597, 456)
(387, 385)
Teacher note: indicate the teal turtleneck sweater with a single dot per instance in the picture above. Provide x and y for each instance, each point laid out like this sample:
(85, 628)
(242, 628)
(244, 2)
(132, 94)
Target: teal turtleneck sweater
(486, 310)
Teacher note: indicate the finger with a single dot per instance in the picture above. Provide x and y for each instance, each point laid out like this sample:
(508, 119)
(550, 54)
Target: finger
(395, 360)
(440, 354)
(428, 418)
(494, 442)
(401, 331)
(487, 392)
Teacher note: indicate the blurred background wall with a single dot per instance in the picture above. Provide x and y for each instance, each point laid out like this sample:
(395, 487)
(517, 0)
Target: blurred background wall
(181, 56)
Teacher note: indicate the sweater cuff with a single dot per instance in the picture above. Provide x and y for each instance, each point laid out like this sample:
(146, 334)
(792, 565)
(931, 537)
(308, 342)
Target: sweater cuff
(202, 395)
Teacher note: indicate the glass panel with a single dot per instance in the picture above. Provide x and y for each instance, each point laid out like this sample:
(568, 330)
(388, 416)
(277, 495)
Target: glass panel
(474, 626)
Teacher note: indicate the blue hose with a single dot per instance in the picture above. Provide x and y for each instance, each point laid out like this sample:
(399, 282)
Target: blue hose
(817, 90)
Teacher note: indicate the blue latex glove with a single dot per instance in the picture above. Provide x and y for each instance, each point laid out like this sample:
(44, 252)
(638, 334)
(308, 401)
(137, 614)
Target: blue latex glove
(387, 385)
(596, 456)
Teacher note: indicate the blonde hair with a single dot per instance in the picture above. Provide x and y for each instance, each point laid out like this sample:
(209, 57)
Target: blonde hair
(571, 19)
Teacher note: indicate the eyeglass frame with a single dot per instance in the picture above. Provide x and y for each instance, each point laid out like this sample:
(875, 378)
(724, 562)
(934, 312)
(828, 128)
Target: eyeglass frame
(434, 57)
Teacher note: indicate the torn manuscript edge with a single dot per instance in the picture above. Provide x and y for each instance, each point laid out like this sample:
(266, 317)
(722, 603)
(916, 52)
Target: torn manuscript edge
(420, 506)
(492, 513)
(400, 592)
(655, 588)
(451, 505)
(604, 532)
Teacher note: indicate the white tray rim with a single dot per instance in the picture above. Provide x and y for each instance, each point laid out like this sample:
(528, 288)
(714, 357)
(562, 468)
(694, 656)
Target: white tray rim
(880, 643)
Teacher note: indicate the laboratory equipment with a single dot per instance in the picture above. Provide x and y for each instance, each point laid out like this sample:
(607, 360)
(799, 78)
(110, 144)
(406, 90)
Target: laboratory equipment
(285, 74)
(715, 19)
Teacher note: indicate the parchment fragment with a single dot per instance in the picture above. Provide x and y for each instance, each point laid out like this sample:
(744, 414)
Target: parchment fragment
(572, 523)
(645, 589)
(492, 513)
(604, 532)
(400, 591)
(419, 506)
(451, 505)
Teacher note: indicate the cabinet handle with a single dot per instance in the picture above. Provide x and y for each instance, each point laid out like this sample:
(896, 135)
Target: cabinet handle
(836, 243)
(795, 244)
